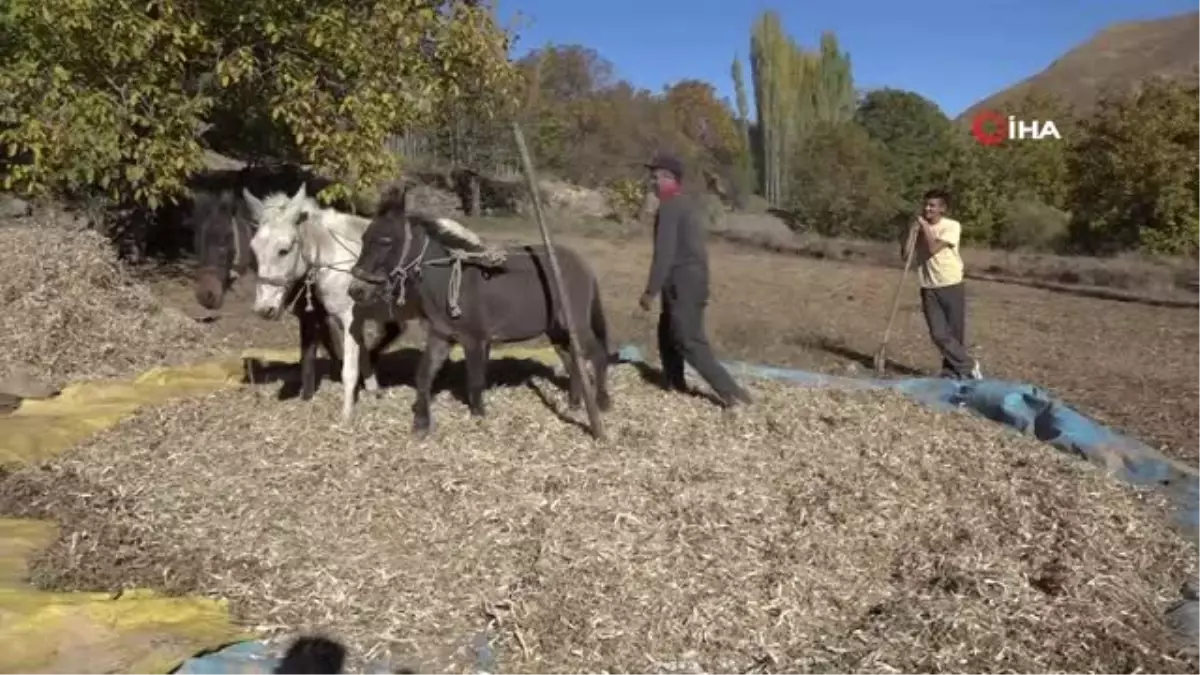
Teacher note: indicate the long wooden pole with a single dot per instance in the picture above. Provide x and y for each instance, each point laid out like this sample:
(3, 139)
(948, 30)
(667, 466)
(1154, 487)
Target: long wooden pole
(881, 355)
(589, 394)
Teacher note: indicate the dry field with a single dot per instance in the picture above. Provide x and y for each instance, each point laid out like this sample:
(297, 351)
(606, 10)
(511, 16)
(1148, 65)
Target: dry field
(1163, 279)
(816, 531)
(1131, 365)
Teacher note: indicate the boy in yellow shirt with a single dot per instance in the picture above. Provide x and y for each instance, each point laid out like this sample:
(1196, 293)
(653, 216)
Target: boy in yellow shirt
(943, 298)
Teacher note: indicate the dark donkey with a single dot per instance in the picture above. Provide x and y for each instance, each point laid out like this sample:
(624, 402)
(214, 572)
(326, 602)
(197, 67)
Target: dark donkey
(223, 227)
(477, 304)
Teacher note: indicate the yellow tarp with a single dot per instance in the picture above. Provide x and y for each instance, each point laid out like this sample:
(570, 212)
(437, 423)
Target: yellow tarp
(139, 632)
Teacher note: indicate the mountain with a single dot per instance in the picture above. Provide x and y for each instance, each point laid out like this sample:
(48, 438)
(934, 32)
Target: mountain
(1116, 59)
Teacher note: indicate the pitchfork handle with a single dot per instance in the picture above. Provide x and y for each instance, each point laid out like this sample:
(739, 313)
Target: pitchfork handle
(912, 249)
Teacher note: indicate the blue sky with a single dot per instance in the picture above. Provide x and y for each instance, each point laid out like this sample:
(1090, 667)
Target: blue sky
(954, 53)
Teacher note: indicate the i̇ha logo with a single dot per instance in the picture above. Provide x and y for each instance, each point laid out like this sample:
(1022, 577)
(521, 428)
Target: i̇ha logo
(991, 128)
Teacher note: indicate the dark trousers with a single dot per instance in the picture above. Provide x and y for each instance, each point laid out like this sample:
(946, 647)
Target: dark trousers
(945, 312)
(681, 339)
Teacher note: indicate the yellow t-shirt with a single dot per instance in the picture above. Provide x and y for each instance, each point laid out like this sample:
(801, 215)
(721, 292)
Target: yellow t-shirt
(945, 268)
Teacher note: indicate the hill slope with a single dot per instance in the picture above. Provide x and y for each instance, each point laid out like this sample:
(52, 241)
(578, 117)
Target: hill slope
(1116, 58)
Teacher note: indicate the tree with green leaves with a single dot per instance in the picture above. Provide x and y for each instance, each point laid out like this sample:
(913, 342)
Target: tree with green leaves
(124, 95)
(841, 188)
(745, 157)
(919, 138)
(1135, 173)
(770, 54)
(794, 89)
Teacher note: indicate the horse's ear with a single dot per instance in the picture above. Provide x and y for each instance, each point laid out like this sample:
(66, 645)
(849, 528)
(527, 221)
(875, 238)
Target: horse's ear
(253, 204)
(394, 199)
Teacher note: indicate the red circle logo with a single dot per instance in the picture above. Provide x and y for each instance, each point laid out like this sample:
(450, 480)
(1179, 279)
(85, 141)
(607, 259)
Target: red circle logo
(998, 123)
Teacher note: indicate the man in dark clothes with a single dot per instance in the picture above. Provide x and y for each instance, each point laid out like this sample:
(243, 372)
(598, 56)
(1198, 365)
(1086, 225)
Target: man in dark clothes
(680, 273)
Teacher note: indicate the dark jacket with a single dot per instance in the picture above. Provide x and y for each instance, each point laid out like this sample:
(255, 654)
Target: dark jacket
(680, 247)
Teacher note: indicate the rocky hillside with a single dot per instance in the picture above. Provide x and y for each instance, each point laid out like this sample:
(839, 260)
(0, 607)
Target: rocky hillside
(1117, 59)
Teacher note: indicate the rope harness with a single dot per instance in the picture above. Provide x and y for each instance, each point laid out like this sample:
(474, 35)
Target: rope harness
(405, 269)
(397, 280)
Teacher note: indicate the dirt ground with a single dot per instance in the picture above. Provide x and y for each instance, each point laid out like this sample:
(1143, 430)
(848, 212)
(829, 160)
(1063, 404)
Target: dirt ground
(1130, 365)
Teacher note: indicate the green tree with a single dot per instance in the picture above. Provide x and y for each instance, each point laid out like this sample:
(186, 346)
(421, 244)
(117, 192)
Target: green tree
(770, 52)
(121, 94)
(840, 185)
(1135, 172)
(833, 94)
(1035, 168)
(794, 89)
(919, 138)
(745, 157)
(974, 200)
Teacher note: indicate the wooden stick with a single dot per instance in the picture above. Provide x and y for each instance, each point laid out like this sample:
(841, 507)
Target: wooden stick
(881, 355)
(589, 394)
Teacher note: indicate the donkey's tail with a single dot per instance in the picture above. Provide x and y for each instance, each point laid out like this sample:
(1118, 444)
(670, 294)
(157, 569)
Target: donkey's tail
(599, 323)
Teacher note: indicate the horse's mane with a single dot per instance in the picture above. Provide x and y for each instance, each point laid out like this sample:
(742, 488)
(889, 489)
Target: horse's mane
(450, 233)
(446, 231)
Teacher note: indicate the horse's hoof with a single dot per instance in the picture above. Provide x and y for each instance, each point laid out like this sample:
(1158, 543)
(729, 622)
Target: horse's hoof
(574, 404)
(421, 429)
(478, 412)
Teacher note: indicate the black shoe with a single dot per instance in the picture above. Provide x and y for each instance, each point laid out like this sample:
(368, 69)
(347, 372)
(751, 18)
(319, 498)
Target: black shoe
(678, 387)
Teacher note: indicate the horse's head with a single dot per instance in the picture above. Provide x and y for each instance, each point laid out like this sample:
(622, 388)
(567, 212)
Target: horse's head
(277, 246)
(396, 242)
(222, 245)
(384, 242)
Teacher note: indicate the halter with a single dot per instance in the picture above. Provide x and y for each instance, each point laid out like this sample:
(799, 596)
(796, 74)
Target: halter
(309, 277)
(237, 246)
(397, 279)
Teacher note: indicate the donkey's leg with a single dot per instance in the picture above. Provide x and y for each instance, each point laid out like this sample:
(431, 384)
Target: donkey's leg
(351, 348)
(575, 389)
(476, 357)
(599, 357)
(391, 331)
(436, 351)
(309, 328)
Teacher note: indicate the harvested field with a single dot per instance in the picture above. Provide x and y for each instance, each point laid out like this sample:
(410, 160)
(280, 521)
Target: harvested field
(1132, 366)
(817, 531)
(70, 311)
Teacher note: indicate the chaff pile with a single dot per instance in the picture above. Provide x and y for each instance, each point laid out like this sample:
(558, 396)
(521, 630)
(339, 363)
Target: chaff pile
(817, 531)
(69, 310)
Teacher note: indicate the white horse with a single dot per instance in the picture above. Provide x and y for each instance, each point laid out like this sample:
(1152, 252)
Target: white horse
(296, 239)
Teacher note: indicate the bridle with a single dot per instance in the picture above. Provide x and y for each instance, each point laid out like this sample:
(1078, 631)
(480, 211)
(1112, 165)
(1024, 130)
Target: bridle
(397, 279)
(308, 277)
(232, 274)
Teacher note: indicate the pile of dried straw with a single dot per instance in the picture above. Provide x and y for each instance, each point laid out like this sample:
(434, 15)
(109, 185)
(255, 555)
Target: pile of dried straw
(818, 531)
(68, 310)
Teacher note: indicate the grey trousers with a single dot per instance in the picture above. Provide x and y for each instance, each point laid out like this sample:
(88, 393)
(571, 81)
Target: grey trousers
(945, 312)
(682, 339)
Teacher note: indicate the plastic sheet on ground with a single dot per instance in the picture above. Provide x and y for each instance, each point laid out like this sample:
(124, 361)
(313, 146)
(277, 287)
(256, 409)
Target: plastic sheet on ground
(139, 631)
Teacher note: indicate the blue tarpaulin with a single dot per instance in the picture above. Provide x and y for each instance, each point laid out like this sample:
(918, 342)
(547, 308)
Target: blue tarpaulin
(1022, 407)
